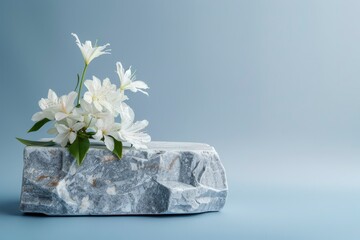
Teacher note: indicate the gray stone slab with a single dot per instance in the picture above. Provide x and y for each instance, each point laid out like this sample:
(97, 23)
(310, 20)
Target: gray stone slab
(166, 178)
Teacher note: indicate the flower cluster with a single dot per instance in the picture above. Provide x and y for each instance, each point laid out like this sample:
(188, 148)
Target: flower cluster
(94, 115)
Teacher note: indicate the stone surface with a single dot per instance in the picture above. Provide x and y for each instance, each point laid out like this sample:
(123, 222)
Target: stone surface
(167, 178)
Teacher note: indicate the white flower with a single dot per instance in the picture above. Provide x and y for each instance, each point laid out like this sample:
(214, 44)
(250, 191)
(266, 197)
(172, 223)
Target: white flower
(97, 93)
(48, 106)
(67, 133)
(88, 51)
(130, 131)
(90, 113)
(107, 129)
(103, 95)
(66, 106)
(117, 99)
(127, 80)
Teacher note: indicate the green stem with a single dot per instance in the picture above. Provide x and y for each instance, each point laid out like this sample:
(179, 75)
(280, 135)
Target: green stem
(81, 82)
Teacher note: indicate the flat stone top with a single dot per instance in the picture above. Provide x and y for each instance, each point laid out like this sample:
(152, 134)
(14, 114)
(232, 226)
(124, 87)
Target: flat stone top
(178, 146)
(158, 145)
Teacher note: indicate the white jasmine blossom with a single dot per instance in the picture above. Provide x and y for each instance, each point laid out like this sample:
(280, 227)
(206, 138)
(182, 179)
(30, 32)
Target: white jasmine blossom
(67, 132)
(66, 106)
(90, 113)
(98, 93)
(89, 52)
(107, 130)
(127, 80)
(94, 114)
(130, 131)
(48, 107)
(117, 99)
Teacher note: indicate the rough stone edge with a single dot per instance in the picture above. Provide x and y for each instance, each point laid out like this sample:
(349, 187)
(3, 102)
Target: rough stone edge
(23, 206)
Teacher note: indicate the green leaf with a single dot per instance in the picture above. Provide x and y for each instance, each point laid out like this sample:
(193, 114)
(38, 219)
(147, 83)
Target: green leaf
(91, 133)
(79, 148)
(118, 147)
(36, 143)
(38, 125)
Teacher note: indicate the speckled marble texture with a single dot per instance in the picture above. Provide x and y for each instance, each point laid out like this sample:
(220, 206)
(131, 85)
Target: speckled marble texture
(167, 178)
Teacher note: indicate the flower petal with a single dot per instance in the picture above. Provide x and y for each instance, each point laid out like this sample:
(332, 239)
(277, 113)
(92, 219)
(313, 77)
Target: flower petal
(37, 116)
(77, 40)
(98, 106)
(88, 97)
(60, 116)
(61, 139)
(98, 135)
(77, 126)
(89, 85)
(52, 95)
(61, 128)
(99, 123)
(72, 137)
(109, 143)
(71, 99)
(97, 83)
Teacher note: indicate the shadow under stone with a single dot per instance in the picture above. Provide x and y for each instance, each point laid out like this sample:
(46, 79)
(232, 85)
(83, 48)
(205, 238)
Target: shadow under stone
(11, 207)
(119, 215)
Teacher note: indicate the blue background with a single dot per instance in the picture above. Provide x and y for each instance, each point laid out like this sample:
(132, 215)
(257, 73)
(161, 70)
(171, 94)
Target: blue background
(273, 85)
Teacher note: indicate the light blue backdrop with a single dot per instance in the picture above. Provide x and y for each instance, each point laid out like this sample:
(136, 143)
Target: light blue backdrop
(273, 85)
